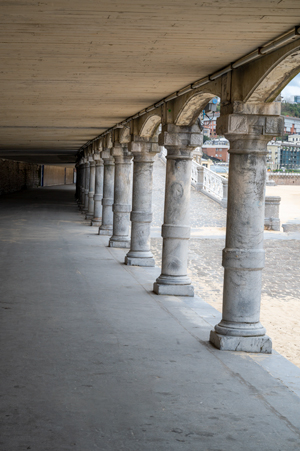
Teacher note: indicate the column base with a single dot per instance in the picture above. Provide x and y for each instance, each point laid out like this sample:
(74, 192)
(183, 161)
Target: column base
(261, 344)
(105, 230)
(119, 242)
(173, 290)
(139, 261)
(89, 216)
(96, 222)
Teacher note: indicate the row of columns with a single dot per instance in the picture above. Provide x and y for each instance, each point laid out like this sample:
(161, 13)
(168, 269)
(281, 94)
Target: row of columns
(243, 256)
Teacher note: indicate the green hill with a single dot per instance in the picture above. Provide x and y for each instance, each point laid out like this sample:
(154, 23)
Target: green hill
(290, 109)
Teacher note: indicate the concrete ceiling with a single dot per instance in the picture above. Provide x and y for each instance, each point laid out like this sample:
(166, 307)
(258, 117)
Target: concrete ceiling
(70, 69)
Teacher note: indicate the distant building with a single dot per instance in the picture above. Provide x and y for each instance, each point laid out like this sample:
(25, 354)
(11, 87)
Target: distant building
(291, 125)
(273, 157)
(297, 99)
(294, 138)
(290, 155)
(217, 148)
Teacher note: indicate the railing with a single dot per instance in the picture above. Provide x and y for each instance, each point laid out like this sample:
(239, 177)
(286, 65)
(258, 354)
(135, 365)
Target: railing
(208, 182)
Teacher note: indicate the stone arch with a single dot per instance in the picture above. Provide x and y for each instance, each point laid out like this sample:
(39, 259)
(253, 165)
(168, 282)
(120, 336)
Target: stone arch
(190, 110)
(275, 78)
(150, 125)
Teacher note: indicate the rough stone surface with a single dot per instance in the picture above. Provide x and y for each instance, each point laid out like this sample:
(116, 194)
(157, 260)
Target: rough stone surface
(246, 344)
(136, 261)
(173, 290)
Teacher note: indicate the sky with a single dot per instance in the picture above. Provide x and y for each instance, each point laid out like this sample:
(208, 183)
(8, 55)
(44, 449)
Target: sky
(292, 89)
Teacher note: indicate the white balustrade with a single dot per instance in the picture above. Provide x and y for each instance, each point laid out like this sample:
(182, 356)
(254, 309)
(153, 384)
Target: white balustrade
(210, 183)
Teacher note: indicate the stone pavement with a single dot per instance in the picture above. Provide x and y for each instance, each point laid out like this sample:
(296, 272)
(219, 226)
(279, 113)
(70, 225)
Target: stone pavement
(280, 311)
(92, 359)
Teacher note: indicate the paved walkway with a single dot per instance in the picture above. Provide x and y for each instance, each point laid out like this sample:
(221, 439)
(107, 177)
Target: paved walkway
(92, 359)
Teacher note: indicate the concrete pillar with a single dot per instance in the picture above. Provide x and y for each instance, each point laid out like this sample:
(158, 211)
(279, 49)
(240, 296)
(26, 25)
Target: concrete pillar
(141, 214)
(90, 212)
(122, 196)
(180, 143)
(106, 227)
(243, 256)
(98, 196)
(87, 187)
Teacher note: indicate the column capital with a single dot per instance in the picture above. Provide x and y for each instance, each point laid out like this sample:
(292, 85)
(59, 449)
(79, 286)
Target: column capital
(106, 156)
(250, 124)
(121, 153)
(98, 160)
(182, 137)
(139, 145)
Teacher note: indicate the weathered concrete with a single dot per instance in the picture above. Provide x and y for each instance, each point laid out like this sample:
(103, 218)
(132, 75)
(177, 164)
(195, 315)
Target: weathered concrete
(243, 256)
(98, 196)
(122, 196)
(179, 142)
(108, 193)
(141, 214)
(91, 359)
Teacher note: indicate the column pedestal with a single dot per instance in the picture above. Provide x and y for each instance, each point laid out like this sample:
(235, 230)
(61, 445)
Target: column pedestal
(179, 142)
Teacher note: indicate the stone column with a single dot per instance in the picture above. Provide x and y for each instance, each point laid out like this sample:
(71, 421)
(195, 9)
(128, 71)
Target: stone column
(243, 256)
(91, 205)
(87, 187)
(141, 214)
(108, 193)
(82, 185)
(122, 198)
(98, 196)
(180, 143)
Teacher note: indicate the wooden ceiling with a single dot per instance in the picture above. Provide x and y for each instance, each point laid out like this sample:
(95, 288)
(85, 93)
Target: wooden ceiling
(70, 69)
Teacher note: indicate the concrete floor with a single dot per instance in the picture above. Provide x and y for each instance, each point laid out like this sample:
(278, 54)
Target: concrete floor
(92, 359)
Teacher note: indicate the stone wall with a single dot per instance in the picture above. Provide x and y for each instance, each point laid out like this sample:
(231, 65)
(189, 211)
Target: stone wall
(56, 175)
(285, 178)
(17, 175)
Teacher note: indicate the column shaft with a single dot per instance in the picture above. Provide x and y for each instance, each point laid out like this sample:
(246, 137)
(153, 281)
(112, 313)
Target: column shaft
(122, 199)
(179, 142)
(82, 187)
(108, 194)
(90, 212)
(87, 186)
(96, 221)
(141, 214)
